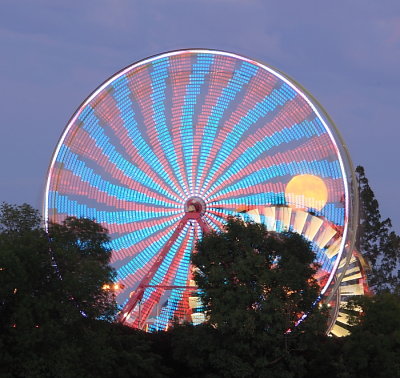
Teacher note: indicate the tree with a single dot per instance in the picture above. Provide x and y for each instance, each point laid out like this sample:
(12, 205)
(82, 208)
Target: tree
(25, 266)
(51, 296)
(373, 348)
(377, 242)
(52, 276)
(81, 257)
(253, 280)
(255, 286)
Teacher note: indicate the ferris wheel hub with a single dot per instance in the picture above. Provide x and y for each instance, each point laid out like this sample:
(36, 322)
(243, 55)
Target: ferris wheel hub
(195, 205)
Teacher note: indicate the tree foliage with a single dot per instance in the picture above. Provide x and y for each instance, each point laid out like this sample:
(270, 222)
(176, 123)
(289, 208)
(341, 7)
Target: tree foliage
(253, 280)
(81, 257)
(54, 276)
(26, 272)
(377, 241)
(51, 300)
(255, 286)
(373, 348)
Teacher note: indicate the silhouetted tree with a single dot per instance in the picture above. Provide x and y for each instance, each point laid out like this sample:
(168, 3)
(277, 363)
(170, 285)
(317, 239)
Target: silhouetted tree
(55, 276)
(377, 241)
(373, 347)
(80, 252)
(52, 306)
(255, 286)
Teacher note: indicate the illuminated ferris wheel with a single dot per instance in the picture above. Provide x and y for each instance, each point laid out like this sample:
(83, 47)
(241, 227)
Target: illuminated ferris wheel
(167, 148)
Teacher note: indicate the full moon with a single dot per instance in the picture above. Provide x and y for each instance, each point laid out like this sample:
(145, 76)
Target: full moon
(306, 191)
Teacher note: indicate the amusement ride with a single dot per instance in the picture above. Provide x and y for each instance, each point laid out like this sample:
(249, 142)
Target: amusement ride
(169, 147)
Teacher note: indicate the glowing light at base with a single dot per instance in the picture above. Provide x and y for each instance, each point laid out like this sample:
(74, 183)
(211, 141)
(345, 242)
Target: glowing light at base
(197, 129)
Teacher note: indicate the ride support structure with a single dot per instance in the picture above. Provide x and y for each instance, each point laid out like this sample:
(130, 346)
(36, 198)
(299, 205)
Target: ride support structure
(194, 210)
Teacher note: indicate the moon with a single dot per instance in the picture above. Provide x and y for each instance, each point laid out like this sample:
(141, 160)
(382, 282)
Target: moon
(306, 191)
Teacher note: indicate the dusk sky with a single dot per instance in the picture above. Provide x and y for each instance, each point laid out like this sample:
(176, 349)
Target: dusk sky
(55, 53)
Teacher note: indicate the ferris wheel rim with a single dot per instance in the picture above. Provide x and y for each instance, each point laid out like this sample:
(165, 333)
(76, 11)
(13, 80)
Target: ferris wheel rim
(328, 124)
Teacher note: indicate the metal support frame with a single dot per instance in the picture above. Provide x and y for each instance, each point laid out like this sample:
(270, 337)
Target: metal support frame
(145, 282)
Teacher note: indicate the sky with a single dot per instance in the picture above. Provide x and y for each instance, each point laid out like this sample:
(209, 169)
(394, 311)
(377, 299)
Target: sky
(54, 53)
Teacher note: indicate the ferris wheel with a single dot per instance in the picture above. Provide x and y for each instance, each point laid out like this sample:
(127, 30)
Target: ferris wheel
(167, 148)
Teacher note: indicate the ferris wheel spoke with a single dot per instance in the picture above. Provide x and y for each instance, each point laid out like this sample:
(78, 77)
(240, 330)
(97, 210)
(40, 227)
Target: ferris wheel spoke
(72, 207)
(266, 192)
(281, 164)
(141, 227)
(126, 134)
(100, 188)
(178, 256)
(90, 142)
(162, 135)
(187, 145)
(153, 112)
(270, 187)
(174, 305)
(334, 213)
(234, 132)
(273, 132)
(181, 80)
(85, 146)
(219, 78)
(150, 138)
(133, 271)
(247, 163)
(143, 258)
(240, 78)
(170, 310)
(323, 168)
(252, 199)
(108, 193)
(251, 97)
(105, 201)
(217, 219)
